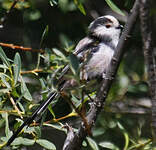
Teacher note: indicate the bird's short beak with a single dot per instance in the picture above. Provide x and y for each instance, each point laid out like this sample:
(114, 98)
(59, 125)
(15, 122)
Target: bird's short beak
(120, 27)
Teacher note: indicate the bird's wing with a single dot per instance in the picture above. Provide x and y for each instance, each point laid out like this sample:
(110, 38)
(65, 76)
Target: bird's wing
(83, 45)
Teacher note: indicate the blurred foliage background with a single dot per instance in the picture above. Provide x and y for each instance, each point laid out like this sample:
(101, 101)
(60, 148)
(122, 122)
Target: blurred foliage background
(56, 26)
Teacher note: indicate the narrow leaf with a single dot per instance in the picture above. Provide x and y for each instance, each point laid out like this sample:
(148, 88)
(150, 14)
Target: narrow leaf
(8, 133)
(17, 141)
(28, 142)
(25, 91)
(80, 6)
(92, 144)
(3, 91)
(17, 67)
(3, 78)
(53, 2)
(125, 135)
(4, 58)
(74, 64)
(114, 7)
(44, 35)
(46, 144)
(51, 110)
(59, 53)
(108, 145)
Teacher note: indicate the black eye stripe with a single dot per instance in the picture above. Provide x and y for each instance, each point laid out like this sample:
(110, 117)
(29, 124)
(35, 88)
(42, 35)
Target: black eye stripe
(100, 21)
(103, 21)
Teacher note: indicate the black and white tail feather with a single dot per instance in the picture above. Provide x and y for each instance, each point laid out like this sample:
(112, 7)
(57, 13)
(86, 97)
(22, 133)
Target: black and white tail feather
(99, 45)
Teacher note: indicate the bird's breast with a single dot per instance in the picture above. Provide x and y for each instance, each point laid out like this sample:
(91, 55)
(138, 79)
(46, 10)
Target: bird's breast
(99, 62)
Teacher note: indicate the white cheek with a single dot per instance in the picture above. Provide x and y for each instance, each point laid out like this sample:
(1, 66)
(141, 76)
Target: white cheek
(113, 33)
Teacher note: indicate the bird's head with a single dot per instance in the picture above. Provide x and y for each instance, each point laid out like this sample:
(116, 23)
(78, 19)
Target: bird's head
(105, 26)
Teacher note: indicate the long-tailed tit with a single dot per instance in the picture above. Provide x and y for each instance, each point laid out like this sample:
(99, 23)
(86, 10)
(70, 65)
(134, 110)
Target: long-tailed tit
(94, 52)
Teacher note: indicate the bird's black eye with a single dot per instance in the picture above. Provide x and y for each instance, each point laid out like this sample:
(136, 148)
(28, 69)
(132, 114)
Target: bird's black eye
(108, 25)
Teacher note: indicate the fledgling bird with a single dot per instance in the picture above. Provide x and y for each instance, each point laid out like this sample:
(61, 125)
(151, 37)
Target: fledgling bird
(94, 52)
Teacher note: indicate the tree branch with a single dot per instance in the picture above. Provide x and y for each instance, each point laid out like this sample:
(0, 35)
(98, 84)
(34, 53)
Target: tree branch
(76, 142)
(12, 46)
(146, 30)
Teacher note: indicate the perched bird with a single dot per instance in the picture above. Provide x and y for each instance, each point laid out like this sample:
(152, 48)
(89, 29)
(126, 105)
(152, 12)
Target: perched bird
(94, 53)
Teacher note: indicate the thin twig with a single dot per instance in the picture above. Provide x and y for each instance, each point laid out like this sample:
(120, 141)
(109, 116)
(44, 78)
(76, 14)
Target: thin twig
(12, 46)
(15, 106)
(146, 30)
(76, 142)
(34, 71)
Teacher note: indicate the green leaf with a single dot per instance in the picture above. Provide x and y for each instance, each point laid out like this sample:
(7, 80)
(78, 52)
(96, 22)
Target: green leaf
(28, 142)
(114, 7)
(59, 53)
(80, 6)
(8, 133)
(38, 131)
(76, 101)
(4, 58)
(3, 91)
(3, 78)
(21, 106)
(3, 66)
(53, 2)
(17, 141)
(108, 145)
(44, 35)
(92, 144)
(46, 144)
(125, 134)
(25, 91)
(17, 67)
(51, 110)
(74, 64)
(23, 141)
(57, 127)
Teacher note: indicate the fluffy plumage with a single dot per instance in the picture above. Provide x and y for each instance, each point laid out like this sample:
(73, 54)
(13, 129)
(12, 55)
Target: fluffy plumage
(99, 46)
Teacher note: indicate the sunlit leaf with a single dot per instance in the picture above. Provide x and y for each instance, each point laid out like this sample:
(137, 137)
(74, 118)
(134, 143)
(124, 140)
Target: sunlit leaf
(53, 2)
(23, 141)
(51, 110)
(46, 144)
(8, 133)
(92, 144)
(98, 131)
(17, 67)
(114, 7)
(4, 58)
(3, 78)
(21, 107)
(3, 91)
(59, 53)
(57, 127)
(17, 141)
(3, 66)
(108, 145)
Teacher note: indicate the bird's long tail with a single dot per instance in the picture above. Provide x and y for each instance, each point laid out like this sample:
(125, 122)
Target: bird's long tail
(37, 112)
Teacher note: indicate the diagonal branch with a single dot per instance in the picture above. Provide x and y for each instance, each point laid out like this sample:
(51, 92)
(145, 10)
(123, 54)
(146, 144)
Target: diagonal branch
(146, 30)
(75, 142)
